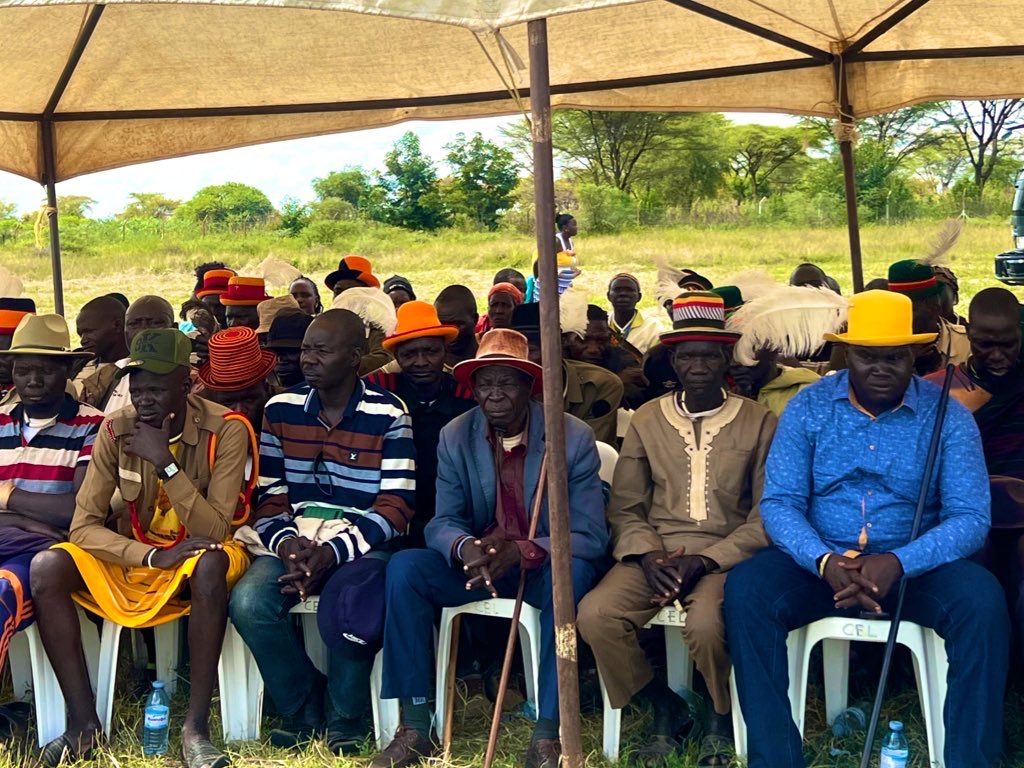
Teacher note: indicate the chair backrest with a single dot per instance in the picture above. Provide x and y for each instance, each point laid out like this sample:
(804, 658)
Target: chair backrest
(608, 458)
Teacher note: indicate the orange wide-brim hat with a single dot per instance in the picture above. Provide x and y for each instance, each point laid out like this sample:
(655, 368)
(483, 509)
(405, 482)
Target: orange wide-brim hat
(236, 361)
(418, 320)
(505, 347)
(356, 268)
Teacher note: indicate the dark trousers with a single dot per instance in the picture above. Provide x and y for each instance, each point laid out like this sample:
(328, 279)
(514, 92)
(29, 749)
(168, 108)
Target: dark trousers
(260, 614)
(420, 581)
(769, 595)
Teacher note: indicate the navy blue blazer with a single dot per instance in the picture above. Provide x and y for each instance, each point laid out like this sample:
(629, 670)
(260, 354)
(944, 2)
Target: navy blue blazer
(467, 486)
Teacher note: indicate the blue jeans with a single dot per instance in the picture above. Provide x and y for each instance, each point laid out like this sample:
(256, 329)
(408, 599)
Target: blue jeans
(769, 595)
(260, 614)
(420, 581)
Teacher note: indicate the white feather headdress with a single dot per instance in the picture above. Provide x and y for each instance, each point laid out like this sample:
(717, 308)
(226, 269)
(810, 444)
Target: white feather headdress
(277, 273)
(572, 312)
(753, 283)
(372, 305)
(943, 244)
(667, 287)
(790, 320)
(11, 286)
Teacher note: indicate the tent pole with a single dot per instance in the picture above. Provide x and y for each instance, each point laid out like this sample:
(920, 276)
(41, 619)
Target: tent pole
(554, 422)
(845, 136)
(49, 179)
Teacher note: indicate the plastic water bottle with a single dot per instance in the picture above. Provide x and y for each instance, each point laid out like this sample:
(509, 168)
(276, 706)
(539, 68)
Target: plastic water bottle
(850, 720)
(156, 722)
(895, 749)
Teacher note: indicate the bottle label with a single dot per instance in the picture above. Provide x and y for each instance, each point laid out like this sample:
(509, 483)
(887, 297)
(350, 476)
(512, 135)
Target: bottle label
(894, 758)
(156, 717)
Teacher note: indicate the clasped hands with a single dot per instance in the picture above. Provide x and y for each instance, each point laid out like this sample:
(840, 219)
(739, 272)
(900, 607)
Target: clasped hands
(863, 580)
(674, 575)
(306, 564)
(487, 559)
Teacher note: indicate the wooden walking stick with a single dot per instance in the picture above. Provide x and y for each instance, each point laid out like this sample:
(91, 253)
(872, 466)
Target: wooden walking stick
(513, 633)
(897, 614)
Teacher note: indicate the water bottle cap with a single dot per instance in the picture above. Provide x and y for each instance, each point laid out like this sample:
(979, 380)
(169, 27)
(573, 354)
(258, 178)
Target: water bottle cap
(895, 725)
(159, 684)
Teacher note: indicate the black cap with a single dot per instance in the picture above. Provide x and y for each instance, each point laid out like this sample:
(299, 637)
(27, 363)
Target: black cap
(526, 319)
(287, 331)
(397, 282)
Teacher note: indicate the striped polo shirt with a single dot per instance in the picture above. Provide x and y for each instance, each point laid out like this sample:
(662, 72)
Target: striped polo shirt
(365, 466)
(47, 462)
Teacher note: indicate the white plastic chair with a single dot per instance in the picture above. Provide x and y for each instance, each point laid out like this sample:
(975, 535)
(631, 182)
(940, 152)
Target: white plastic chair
(623, 417)
(529, 640)
(927, 649)
(609, 456)
(31, 671)
(241, 684)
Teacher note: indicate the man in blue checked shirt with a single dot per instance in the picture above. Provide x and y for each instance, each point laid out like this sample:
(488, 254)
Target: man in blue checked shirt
(842, 482)
(336, 484)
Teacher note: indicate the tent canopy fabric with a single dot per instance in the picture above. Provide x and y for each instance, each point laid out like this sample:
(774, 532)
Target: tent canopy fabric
(126, 82)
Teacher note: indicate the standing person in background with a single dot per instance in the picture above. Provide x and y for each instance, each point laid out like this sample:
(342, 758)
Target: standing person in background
(626, 323)
(509, 275)
(566, 225)
(456, 305)
(305, 292)
(502, 299)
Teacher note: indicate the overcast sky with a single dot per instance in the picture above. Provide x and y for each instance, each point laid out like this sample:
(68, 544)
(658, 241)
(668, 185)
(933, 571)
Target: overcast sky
(281, 169)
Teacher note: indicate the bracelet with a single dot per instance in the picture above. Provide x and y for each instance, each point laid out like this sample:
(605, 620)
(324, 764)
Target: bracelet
(6, 489)
(149, 557)
(822, 563)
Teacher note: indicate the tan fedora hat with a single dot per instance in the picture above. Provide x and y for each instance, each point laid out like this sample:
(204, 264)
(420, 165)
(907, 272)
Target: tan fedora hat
(43, 335)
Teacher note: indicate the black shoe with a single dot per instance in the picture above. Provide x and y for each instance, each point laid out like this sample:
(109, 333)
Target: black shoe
(348, 736)
(302, 726)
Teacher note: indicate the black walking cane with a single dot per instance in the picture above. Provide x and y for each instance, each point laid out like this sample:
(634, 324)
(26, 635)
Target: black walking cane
(894, 620)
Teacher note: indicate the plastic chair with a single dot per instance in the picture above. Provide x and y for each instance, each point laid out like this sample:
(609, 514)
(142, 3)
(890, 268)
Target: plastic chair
(241, 689)
(609, 456)
(529, 640)
(31, 671)
(623, 417)
(930, 668)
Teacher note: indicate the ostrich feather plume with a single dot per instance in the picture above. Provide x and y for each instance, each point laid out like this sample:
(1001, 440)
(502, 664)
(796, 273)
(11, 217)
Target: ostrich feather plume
(790, 320)
(372, 305)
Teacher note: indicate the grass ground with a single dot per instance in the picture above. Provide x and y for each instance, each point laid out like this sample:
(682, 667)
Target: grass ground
(163, 266)
(135, 267)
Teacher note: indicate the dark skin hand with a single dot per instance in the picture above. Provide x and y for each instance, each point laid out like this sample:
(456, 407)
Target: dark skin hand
(873, 575)
(151, 444)
(307, 564)
(674, 575)
(172, 557)
(486, 560)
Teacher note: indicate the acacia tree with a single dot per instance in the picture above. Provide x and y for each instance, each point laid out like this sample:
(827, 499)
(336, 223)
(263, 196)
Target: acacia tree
(149, 205)
(411, 194)
(760, 151)
(980, 126)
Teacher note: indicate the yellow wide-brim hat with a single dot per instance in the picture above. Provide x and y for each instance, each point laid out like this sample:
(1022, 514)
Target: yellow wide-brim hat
(881, 319)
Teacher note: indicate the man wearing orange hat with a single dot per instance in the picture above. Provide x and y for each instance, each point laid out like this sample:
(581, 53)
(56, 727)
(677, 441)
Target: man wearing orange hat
(11, 312)
(842, 482)
(215, 285)
(432, 396)
(241, 300)
(352, 272)
(489, 473)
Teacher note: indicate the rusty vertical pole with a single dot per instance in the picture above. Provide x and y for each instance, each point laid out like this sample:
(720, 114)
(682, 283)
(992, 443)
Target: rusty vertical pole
(554, 423)
(844, 134)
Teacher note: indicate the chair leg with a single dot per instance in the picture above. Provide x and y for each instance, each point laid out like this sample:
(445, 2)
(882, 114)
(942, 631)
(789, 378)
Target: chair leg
(797, 675)
(240, 706)
(386, 715)
(51, 717)
(316, 649)
(166, 637)
(679, 668)
(529, 640)
(739, 725)
(444, 650)
(110, 641)
(20, 660)
(612, 725)
(836, 655)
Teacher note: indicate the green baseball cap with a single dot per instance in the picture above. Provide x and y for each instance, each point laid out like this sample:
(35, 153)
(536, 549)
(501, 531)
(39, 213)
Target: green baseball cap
(159, 350)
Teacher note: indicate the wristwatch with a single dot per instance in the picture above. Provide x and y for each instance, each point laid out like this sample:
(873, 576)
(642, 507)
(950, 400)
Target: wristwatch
(168, 472)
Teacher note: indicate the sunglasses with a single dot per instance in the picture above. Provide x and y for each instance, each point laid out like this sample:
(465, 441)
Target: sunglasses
(320, 465)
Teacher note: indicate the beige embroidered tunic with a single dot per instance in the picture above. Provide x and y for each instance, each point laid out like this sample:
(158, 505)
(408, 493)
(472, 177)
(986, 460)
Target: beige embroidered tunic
(692, 483)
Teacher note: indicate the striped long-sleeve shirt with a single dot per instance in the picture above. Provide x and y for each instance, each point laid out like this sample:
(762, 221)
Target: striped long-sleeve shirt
(365, 465)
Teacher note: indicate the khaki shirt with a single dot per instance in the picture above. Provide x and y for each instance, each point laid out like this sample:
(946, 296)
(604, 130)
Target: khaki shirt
(593, 395)
(375, 356)
(205, 501)
(671, 490)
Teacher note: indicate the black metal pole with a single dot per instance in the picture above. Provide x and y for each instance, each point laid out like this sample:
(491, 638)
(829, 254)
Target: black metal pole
(50, 180)
(897, 614)
(845, 138)
(554, 419)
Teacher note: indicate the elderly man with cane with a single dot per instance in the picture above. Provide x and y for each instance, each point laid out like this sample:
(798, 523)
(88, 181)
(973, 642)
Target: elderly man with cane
(842, 481)
(489, 536)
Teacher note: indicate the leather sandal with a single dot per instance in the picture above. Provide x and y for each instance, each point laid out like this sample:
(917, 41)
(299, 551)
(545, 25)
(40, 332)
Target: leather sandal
(202, 754)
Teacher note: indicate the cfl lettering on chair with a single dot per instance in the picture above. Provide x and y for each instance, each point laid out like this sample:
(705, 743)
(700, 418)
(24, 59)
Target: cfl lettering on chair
(863, 631)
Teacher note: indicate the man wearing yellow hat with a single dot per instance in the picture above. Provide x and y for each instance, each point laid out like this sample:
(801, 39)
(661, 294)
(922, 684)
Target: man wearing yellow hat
(842, 481)
(432, 396)
(178, 464)
(46, 441)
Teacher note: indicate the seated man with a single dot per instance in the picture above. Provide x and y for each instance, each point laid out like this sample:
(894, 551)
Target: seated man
(46, 440)
(456, 305)
(626, 323)
(842, 482)
(991, 385)
(241, 300)
(592, 394)
(11, 312)
(599, 346)
(489, 462)
(168, 553)
(100, 326)
(918, 281)
(337, 482)
(432, 396)
(212, 283)
(285, 341)
(680, 524)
